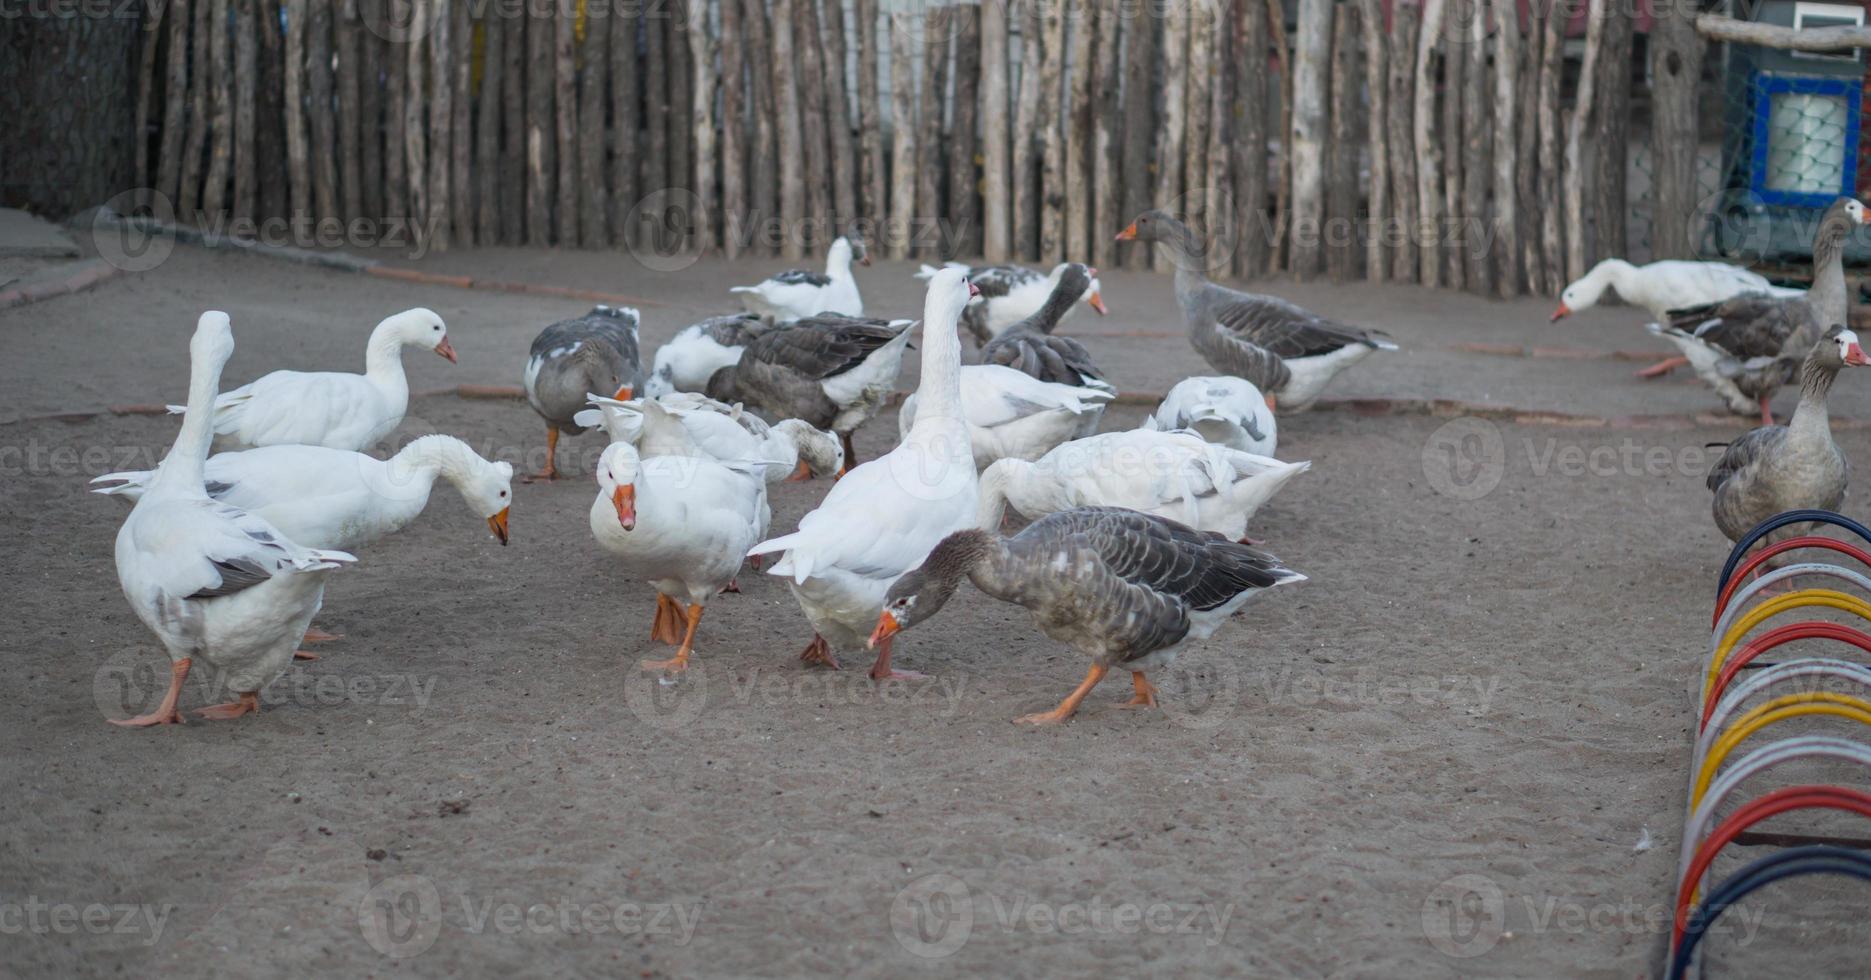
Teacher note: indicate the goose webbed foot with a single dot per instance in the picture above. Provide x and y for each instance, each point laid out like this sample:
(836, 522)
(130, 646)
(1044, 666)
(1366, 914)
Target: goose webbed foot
(1146, 692)
(819, 652)
(304, 655)
(165, 713)
(1663, 367)
(680, 662)
(315, 635)
(1069, 706)
(247, 704)
(551, 470)
(667, 626)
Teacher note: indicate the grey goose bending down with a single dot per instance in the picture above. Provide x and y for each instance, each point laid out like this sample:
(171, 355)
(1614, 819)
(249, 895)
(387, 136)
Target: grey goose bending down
(1126, 588)
(570, 360)
(1011, 293)
(1748, 346)
(1287, 351)
(697, 351)
(1779, 468)
(830, 371)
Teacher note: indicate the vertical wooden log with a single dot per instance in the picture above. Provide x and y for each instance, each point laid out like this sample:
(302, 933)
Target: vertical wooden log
(929, 142)
(1134, 194)
(903, 132)
(1026, 135)
(1611, 135)
(273, 198)
(195, 144)
(146, 89)
(761, 171)
(626, 117)
(318, 91)
(1454, 48)
(1377, 256)
(1477, 158)
(221, 117)
(1675, 68)
(1282, 177)
(370, 91)
(791, 148)
(1081, 142)
(438, 217)
(1312, 55)
(350, 111)
(540, 163)
(1218, 183)
(807, 42)
(1553, 250)
(298, 165)
(1252, 224)
(1428, 151)
(873, 201)
(1105, 20)
(964, 210)
(565, 114)
(1169, 146)
(655, 158)
(594, 82)
(1342, 245)
(1507, 61)
(1195, 195)
(996, 151)
(1407, 205)
(513, 127)
(395, 135)
(461, 139)
(838, 118)
(246, 77)
(1527, 154)
(415, 137)
(681, 98)
(487, 161)
(1584, 100)
(1052, 136)
(174, 88)
(703, 80)
(733, 131)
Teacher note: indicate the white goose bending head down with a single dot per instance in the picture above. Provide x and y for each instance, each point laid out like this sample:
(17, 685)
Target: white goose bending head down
(882, 518)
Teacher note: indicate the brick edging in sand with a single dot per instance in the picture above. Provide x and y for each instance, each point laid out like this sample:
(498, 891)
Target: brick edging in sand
(1436, 407)
(81, 277)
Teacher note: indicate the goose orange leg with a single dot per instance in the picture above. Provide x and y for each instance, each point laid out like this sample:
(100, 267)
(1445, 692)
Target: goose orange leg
(1146, 692)
(248, 704)
(667, 626)
(551, 472)
(1070, 704)
(679, 662)
(819, 652)
(1663, 367)
(165, 713)
(1767, 414)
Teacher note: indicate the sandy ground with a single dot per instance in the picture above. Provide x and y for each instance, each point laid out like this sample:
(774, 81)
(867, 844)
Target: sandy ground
(1433, 758)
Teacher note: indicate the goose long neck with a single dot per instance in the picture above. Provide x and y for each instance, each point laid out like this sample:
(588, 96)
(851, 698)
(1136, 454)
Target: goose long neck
(1811, 420)
(992, 494)
(182, 470)
(1058, 303)
(1187, 254)
(938, 391)
(383, 357)
(1827, 295)
(436, 456)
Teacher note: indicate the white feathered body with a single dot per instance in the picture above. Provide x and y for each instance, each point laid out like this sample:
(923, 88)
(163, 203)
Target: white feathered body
(1013, 415)
(1225, 410)
(695, 519)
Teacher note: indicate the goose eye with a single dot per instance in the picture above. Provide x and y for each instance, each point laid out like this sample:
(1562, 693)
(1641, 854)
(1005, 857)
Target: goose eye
(503, 494)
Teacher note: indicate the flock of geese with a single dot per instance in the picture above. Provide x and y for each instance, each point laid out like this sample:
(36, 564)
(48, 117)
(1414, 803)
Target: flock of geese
(1137, 541)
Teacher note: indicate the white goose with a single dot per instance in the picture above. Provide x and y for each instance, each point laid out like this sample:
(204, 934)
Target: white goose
(798, 293)
(1226, 411)
(882, 518)
(1660, 287)
(1011, 293)
(335, 498)
(728, 433)
(1170, 474)
(209, 579)
(329, 408)
(1012, 414)
(681, 522)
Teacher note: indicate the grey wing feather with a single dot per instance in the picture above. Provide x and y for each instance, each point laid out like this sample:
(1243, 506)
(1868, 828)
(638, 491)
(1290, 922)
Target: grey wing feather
(1060, 360)
(1743, 452)
(1747, 326)
(1201, 569)
(1283, 328)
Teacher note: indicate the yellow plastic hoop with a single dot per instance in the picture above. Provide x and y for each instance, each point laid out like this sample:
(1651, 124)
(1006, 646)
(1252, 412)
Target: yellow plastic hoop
(1778, 604)
(1779, 709)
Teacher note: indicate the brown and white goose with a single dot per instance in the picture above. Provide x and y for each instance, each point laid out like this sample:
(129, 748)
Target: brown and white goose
(571, 359)
(697, 351)
(1287, 351)
(1779, 468)
(1031, 347)
(830, 371)
(1126, 588)
(1748, 346)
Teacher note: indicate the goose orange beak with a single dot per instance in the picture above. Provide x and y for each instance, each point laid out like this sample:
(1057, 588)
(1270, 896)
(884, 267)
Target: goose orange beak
(498, 525)
(1129, 234)
(1560, 314)
(887, 627)
(625, 393)
(1855, 356)
(447, 350)
(624, 498)
(1097, 302)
